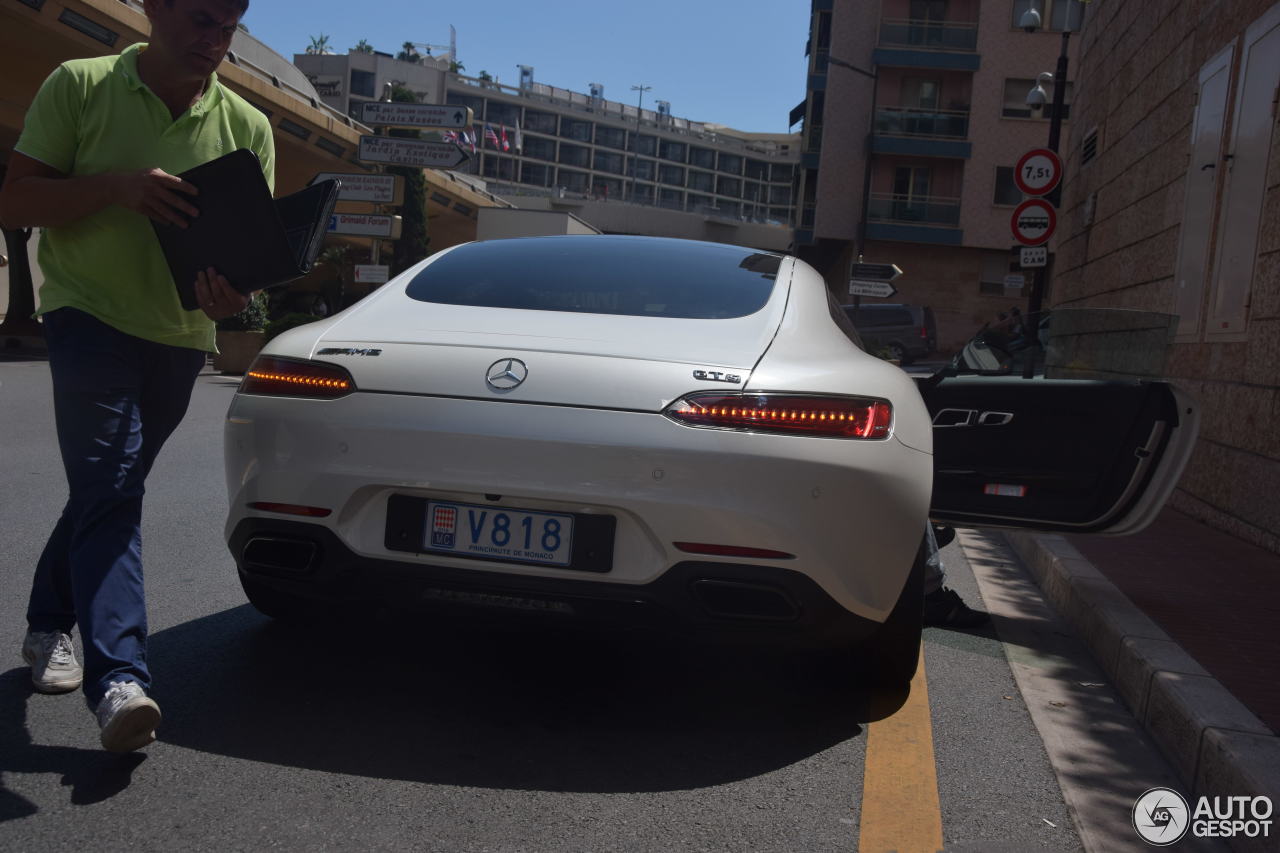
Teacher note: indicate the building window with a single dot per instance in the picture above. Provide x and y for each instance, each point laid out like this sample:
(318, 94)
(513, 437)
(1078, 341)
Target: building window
(731, 163)
(645, 145)
(1007, 192)
(476, 104)
(574, 129)
(703, 158)
(642, 169)
(536, 174)
(1015, 100)
(540, 122)
(757, 170)
(698, 203)
(507, 115)
(574, 155)
(729, 187)
(539, 148)
(673, 175)
(701, 181)
(502, 168)
(362, 83)
(1056, 15)
(783, 173)
(573, 181)
(671, 199)
(672, 151)
(612, 137)
(779, 195)
(607, 161)
(642, 193)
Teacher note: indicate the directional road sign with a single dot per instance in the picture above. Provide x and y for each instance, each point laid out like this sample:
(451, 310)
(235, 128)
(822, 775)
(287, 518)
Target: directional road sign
(1033, 222)
(392, 114)
(411, 152)
(863, 287)
(365, 225)
(366, 186)
(1038, 171)
(874, 272)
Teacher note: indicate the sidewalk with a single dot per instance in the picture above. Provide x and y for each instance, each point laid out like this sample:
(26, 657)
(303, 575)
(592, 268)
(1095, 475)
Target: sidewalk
(1185, 620)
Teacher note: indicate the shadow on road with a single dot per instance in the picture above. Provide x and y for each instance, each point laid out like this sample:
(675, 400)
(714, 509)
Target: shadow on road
(92, 775)
(556, 710)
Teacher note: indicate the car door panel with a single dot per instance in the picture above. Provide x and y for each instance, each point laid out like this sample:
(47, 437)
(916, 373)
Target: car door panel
(1064, 455)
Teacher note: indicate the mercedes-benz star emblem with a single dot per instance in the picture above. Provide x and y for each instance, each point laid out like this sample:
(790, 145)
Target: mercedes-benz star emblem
(505, 374)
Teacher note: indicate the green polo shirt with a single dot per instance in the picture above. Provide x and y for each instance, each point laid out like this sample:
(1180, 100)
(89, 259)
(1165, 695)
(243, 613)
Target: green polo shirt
(96, 115)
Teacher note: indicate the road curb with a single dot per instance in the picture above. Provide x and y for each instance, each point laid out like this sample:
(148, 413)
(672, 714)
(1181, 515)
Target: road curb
(1217, 746)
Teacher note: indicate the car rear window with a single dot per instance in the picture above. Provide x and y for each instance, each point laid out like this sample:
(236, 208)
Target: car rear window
(603, 274)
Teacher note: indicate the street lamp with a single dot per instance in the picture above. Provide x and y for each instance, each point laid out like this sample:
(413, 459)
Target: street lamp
(1036, 98)
(635, 157)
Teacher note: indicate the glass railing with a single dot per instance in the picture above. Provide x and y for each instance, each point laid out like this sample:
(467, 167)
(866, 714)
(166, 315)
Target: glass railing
(915, 121)
(915, 210)
(928, 35)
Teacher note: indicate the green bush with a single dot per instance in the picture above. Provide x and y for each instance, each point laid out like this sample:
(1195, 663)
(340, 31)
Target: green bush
(252, 319)
(287, 322)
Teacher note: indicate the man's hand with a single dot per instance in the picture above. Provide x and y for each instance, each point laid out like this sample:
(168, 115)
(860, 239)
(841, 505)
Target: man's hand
(158, 195)
(217, 298)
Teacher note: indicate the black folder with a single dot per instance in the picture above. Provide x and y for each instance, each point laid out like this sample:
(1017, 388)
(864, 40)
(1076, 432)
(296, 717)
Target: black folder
(246, 235)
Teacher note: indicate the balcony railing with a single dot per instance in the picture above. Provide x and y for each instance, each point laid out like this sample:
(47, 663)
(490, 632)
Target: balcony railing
(914, 210)
(914, 121)
(928, 35)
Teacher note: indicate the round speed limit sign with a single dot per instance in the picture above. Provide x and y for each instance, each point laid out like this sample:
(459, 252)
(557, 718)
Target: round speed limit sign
(1038, 172)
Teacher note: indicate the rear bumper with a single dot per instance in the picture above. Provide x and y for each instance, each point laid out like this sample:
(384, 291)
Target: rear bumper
(749, 602)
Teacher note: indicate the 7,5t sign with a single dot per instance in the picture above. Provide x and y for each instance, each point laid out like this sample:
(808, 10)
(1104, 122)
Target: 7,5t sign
(1038, 172)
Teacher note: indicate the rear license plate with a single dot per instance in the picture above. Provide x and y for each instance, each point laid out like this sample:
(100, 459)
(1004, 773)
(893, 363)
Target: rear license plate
(498, 533)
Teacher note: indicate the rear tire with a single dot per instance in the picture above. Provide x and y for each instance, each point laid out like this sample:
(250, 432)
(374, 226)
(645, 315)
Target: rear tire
(890, 657)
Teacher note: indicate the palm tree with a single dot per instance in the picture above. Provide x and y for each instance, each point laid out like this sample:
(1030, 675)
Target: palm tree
(319, 44)
(363, 46)
(408, 53)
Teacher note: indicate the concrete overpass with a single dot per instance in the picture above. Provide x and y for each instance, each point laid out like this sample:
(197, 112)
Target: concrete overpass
(37, 35)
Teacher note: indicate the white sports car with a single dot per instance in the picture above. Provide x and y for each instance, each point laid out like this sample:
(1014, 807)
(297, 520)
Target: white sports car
(671, 431)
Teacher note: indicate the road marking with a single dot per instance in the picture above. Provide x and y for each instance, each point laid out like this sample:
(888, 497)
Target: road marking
(900, 808)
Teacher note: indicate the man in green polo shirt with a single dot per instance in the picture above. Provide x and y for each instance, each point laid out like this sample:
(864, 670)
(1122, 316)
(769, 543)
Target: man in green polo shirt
(97, 160)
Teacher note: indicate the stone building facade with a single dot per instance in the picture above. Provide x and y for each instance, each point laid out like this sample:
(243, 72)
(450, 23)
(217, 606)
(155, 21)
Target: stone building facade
(1172, 203)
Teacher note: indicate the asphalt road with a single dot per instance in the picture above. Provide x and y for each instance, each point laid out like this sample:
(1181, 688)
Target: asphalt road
(385, 732)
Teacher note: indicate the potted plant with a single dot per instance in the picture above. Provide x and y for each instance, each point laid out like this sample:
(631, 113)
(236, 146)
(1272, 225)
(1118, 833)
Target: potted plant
(240, 336)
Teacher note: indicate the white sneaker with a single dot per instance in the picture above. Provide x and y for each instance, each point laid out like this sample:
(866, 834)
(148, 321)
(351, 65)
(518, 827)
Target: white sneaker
(54, 668)
(128, 718)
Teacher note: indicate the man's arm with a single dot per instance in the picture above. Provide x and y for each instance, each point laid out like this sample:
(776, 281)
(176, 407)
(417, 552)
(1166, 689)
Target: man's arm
(36, 194)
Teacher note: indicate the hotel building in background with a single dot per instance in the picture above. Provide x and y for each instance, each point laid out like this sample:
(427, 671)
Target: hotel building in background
(621, 168)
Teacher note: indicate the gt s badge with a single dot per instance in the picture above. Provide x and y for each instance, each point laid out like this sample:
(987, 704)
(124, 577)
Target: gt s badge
(348, 351)
(716, 376)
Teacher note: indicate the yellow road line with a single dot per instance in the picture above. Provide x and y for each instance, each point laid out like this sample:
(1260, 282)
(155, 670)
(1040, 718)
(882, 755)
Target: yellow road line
(900, 808)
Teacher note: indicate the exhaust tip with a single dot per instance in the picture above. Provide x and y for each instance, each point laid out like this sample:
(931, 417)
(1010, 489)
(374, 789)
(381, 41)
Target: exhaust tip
(729, 599)
(274, 555)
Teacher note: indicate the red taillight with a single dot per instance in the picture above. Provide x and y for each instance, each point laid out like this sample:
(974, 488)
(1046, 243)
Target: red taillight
(732, 551)
(291, 509)
(285, 377)
(833, 417)
(924, 333)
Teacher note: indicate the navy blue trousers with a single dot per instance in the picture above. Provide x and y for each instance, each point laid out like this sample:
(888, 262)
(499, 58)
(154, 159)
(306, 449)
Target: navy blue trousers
(116, 400)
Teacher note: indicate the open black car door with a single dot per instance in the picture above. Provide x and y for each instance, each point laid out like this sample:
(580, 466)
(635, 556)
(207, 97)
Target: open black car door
(1090, 441)
(1069, 455)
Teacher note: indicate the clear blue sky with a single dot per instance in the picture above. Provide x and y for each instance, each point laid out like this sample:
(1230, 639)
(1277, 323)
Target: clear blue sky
(734, 62)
